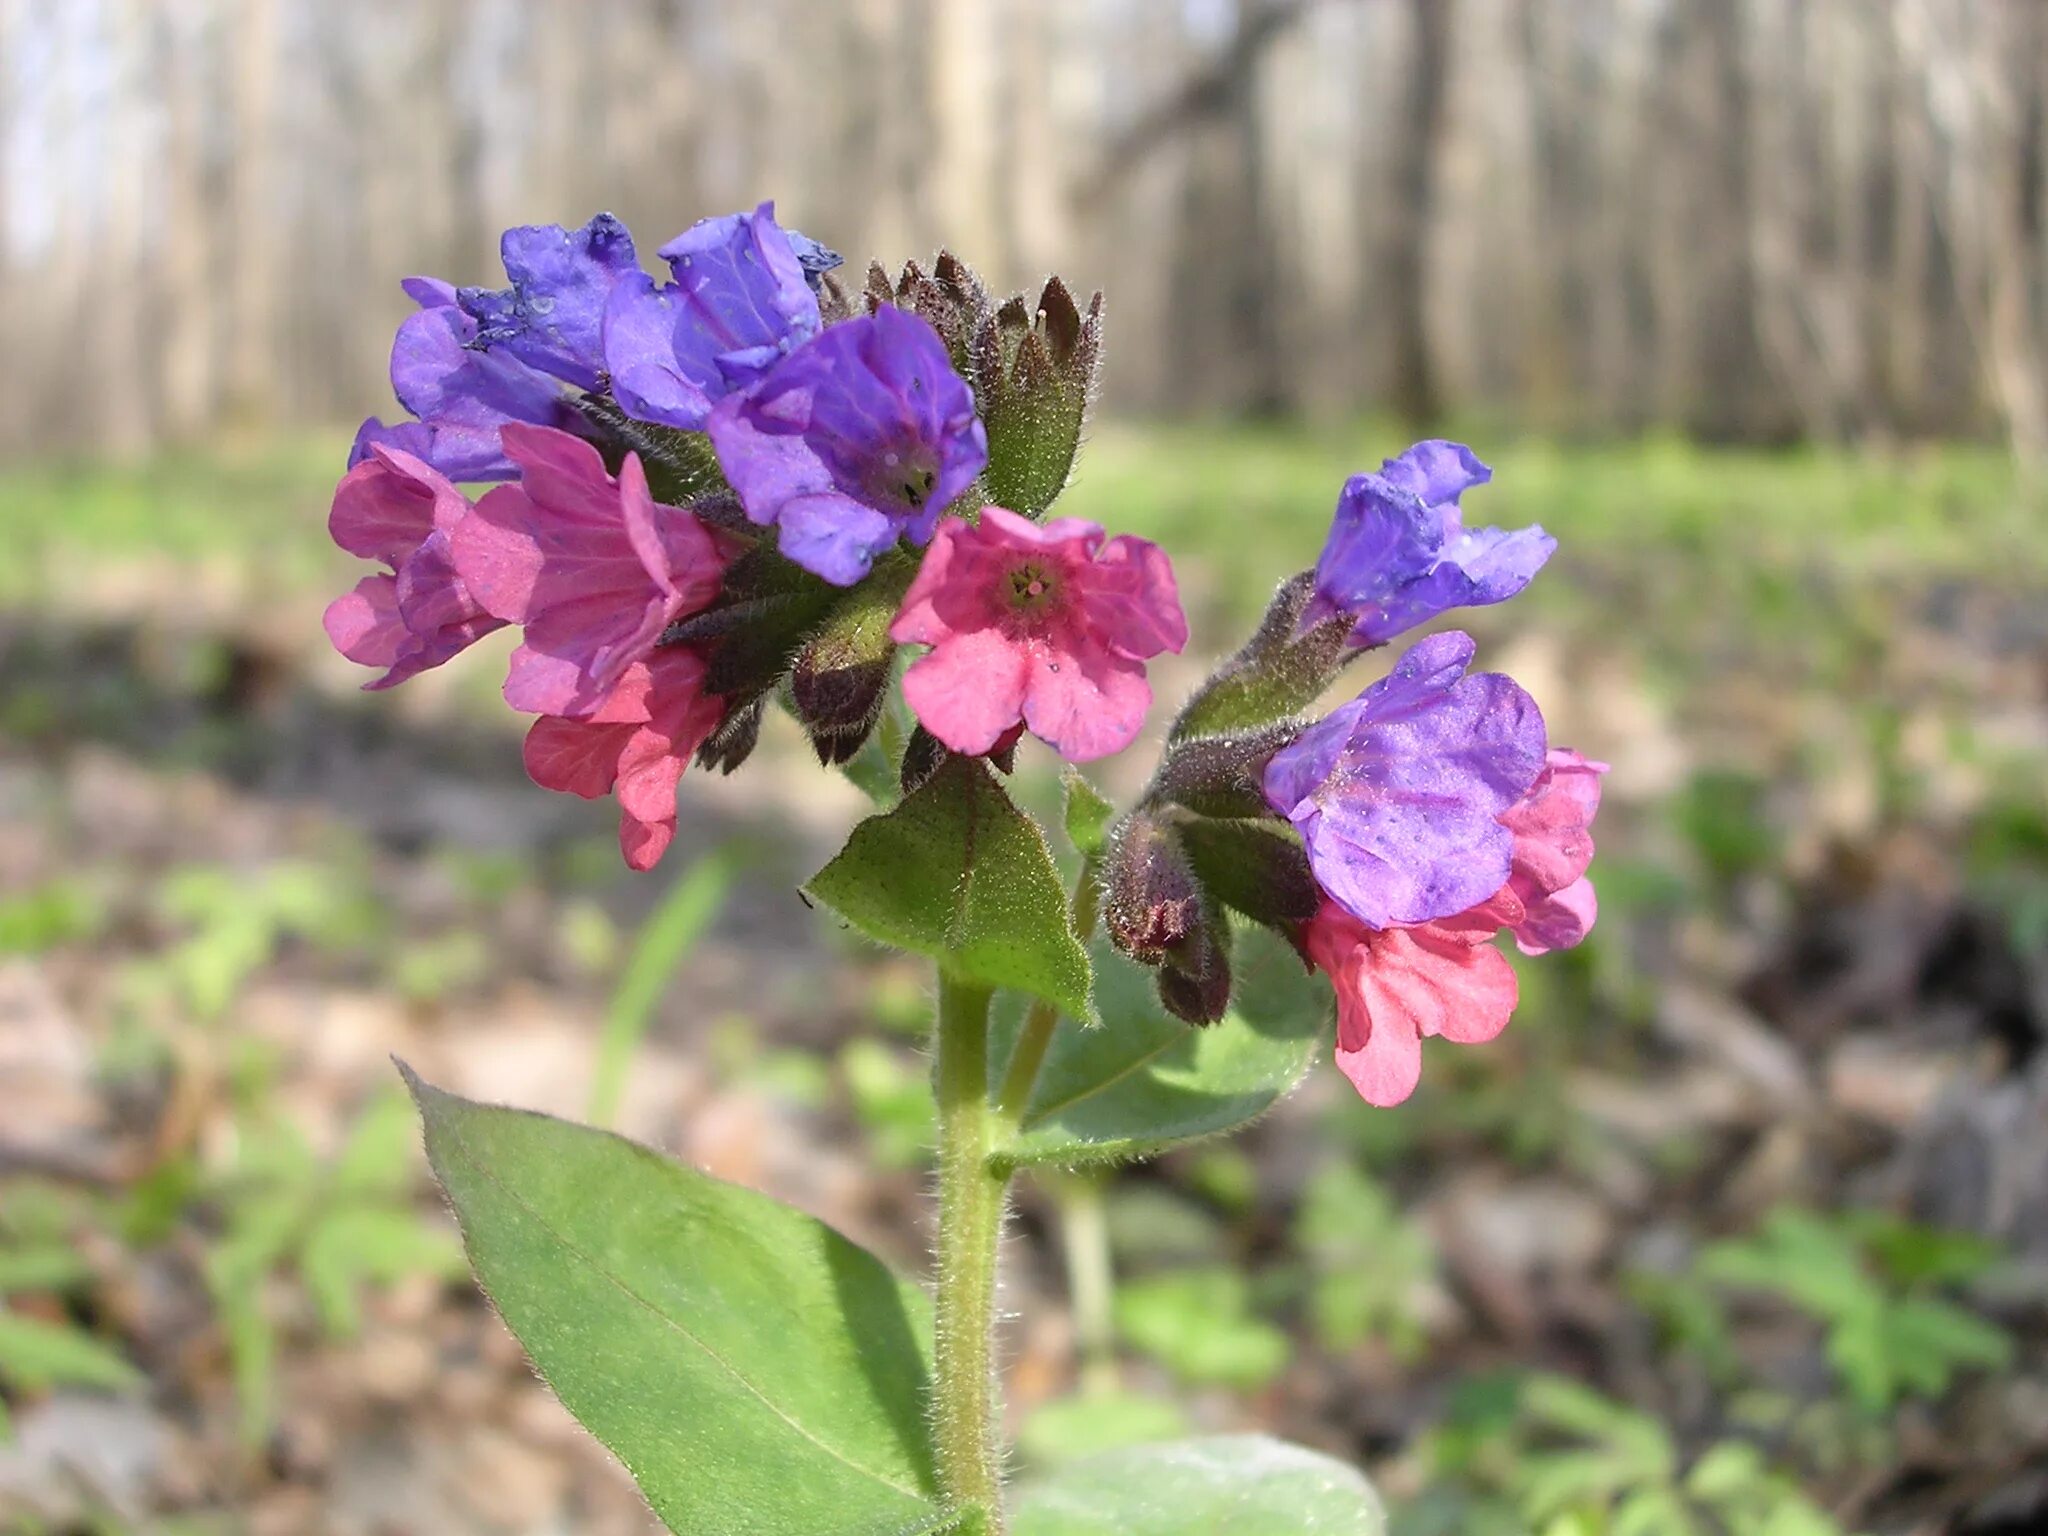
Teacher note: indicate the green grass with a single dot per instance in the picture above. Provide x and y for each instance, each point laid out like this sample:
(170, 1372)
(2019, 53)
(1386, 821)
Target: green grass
(1657, 521)
(1778, 538)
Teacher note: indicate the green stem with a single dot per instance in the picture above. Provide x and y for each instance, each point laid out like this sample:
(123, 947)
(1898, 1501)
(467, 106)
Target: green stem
(1041, 1021)
(971, 1196)
(1091, 1276)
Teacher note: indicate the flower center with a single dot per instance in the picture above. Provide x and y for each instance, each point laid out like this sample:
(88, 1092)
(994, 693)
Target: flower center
(903, 475)
(1032, 587)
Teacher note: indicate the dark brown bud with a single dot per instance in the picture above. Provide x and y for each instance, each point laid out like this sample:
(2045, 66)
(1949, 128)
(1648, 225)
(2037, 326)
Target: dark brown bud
(839, 680)
(1194, 983)
(1153, 900)
(736, 737)
(923, 755)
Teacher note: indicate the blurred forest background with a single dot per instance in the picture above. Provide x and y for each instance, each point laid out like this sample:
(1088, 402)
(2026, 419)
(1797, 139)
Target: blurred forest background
(1744, 219)
(1740, 1230)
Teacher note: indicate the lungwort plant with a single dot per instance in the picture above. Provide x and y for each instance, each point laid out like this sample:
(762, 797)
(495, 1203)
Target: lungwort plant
(748, 485)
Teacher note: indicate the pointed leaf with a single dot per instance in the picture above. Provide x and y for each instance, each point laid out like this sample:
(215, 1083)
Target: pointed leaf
(1226, 1485)
(1142, 1080)
(37, 1354)
(957, 872)
(757, 1373)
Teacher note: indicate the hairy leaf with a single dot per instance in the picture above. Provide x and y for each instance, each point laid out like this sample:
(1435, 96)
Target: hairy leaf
(1143, 1080)
(957, 872)
(757, 1373)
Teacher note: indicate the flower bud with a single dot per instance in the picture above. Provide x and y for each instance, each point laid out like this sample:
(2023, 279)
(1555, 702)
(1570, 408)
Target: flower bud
(1033, 372)
(1194, 983)
(734, 739)
(1258, 868)
(1154, 902)
(1280, 671)
(840, 678)
(1219, 775)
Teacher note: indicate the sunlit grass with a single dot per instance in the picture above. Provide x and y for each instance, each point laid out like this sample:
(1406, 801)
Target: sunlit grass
(1653, 525)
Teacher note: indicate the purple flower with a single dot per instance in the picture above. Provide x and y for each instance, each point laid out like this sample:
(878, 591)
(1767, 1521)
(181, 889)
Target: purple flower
(852, 441)
(739, 302)
(552, 317)
(1399, 553)
(462, 397)
(1398, 794)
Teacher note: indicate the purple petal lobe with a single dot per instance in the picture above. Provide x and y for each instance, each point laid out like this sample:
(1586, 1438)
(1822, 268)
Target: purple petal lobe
(1398, 794)
(1399, 555)
(740, 302)
(552, 315)
(465, 397)
(855, 439)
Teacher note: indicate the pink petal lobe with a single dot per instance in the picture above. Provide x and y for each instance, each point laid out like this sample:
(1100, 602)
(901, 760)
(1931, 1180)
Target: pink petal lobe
(1087, 702)
(1386, 1066)
(969, 689)
(1552, 825)
(364, 624)
(495, 553)
(575, 756)
(1558, 921)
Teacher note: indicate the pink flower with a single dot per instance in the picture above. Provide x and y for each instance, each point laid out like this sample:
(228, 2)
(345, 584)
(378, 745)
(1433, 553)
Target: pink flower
(1049, 626)
(591, 566)
(395, 509)
(636, 742)
(1397, 984)
(1548, 901)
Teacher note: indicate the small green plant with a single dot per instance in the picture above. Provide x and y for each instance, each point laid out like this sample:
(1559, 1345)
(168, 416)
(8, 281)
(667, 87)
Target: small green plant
(1550, 1456)
(1870, 1281)
(670, 932)
(1200, 1325)
(38, 1255)
(892, 1100)
(335, 1225)
(230, 924)
(1365, 1260)
(61, 911)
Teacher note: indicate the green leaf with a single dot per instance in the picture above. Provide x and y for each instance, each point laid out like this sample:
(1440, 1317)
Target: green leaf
(37, 1354)
(1086, 813)
(1095, 1422)
(41, 1267)
(957, 872)
(757, 1373)
(1227, 1485)
(1143, 1080)
(1199, 1324)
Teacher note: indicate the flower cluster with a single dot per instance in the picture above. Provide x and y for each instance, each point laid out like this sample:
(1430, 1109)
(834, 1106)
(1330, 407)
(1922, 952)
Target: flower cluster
(735, 484)
(1434, 812)
(708, 481)
(1429, 815)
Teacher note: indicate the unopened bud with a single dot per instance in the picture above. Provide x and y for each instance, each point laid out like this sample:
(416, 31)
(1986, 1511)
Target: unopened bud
(1278, 673)
(840, 679)
(733, 742)
(1154, 902)
(1194, 983)
(1033, 371)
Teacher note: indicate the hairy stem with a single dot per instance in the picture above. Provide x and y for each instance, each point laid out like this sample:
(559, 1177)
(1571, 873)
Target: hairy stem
(1040, 1021)
(971, 1196)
